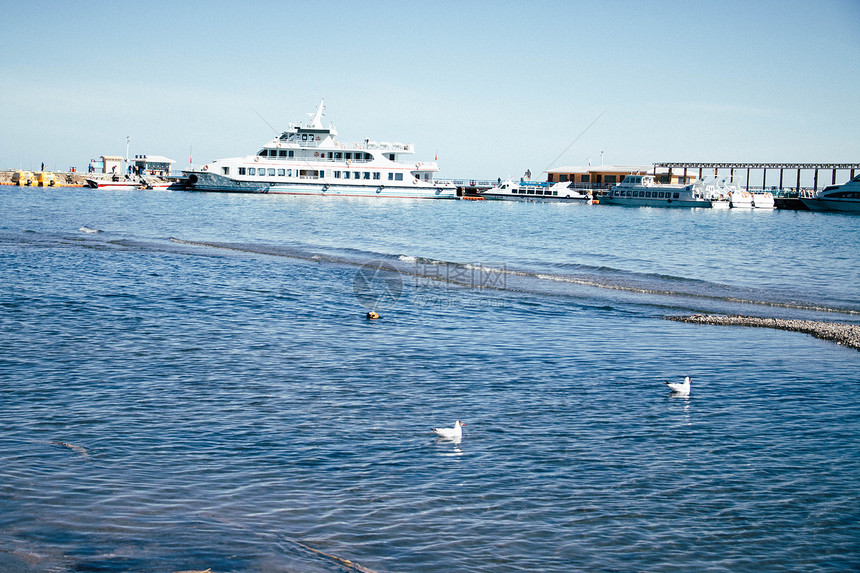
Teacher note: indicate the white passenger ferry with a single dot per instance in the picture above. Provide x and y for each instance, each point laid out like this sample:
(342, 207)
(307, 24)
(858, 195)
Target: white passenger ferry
(308, 160)
(536, 191)
(645, 191)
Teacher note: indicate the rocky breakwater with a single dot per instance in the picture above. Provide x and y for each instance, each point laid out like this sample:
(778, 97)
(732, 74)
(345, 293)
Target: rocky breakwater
(839, 332)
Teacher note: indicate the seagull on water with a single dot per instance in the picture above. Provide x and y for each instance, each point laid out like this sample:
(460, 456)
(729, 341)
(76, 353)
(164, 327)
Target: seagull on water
(454, 433)
(680, 389)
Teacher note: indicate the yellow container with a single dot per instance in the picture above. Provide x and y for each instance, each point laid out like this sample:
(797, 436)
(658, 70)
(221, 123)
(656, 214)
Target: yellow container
(45, 179)
(23, 178)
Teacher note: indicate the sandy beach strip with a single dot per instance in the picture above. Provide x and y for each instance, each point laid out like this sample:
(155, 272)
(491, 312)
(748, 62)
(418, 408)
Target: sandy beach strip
(839, 332)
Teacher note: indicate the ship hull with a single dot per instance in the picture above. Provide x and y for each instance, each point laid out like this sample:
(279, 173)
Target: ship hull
(205, 181)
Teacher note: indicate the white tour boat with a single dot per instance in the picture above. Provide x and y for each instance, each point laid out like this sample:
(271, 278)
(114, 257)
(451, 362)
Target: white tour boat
(845, 197)
(645, 191)
(763, 200)
(308, 160)
(116, 183)
(510, 190)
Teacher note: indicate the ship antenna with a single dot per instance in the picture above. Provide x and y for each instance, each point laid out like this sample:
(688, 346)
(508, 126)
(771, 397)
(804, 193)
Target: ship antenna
(266, 122)
(577, 139)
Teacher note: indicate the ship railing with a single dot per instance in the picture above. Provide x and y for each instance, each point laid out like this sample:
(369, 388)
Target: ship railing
(469, 182)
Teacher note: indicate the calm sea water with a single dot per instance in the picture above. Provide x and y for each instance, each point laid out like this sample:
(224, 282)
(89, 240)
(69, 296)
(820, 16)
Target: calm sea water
(187, 381)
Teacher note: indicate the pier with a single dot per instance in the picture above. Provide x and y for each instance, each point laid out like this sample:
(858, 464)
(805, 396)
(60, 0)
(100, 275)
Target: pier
(764, 167)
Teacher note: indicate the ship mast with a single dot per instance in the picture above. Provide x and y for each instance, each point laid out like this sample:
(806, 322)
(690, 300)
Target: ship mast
(316, 122)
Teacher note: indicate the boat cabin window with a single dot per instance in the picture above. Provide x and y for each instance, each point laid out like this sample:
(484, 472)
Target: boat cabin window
(377, 175)
(241, 171)
(281, 172)
(263, 153)
(346, 174)
(225, 170)
(675, 196)
(338, 155)
(252, 171)
(349, 155)
(282, 153)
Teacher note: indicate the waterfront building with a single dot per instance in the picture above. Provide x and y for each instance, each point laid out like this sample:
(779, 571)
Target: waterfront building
(605, 176)
(152, 165)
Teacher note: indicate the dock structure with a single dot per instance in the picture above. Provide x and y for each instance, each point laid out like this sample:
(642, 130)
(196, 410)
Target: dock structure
(764, 167)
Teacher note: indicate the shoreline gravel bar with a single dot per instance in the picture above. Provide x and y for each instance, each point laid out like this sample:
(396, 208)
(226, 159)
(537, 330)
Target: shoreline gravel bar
(838, 332)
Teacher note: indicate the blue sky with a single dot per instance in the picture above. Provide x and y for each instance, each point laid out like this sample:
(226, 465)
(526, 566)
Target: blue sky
(494, 88)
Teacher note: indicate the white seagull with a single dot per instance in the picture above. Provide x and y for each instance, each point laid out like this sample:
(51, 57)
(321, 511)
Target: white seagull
(680, 389)
(454, 433)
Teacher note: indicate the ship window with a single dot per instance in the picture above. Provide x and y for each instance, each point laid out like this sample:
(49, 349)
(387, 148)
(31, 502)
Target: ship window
(282, 153)
(252, 171)
(346, 174)
(304, 137)
(531, 192)
(390, 176)
(662, 195)
(241, 171)
(225, 170)
(281, 172)
(555, 192)
(337, 175)
(398, 177)
(271, 172)
(391, 156)
(675, 196)
(367, 174)
(290, 153)
(263, 153)
(349, 155)
(338, 155)
(377, 175)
